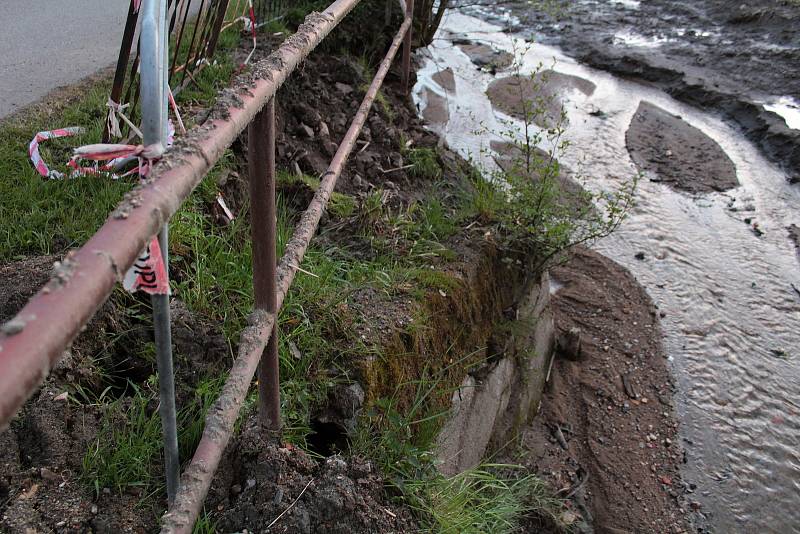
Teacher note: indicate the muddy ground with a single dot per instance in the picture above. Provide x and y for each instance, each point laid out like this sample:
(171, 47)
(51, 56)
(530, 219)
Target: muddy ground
(606, 434)
(720, 55)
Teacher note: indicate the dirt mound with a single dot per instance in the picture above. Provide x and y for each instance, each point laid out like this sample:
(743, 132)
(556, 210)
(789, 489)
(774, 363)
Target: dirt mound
(548, 89)
(677, 153)
(606, 434)
(331, 495)
(41, 456)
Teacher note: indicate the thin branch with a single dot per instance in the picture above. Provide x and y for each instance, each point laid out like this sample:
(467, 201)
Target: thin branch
(290, 506)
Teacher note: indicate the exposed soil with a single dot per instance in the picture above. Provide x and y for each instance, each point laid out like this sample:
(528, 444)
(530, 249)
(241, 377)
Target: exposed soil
(606, 435)
(40, 463)
(724, 55)
(20, 280)
(794, 235)
(539, 96)
(263, 479)
(674, 152)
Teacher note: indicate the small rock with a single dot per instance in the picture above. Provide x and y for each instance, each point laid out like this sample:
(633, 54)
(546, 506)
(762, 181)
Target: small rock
(639, 256)
(294, 351)
(12, 327)
(306, 131)
(569, 344)
(336, 463)
(324, 131)
(344, 88)
(94, 509)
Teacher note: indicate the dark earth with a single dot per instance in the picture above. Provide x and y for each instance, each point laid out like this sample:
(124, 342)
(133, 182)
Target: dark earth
(727, 58)
(606, 435)
(677, 153)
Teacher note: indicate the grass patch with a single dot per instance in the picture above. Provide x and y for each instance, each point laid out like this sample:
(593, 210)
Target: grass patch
(127, 450)
(488, 498)
(41, 216)
(425, 163)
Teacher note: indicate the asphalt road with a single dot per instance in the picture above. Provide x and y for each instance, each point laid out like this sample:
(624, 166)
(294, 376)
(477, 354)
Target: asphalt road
(45, 44)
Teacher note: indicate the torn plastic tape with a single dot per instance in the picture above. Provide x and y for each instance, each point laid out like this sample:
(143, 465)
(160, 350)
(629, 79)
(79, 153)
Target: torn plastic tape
(36, 157)
(148, 273)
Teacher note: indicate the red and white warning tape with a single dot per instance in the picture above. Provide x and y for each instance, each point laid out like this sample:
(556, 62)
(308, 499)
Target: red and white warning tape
(148, 273)
(36, 157)
(250, 26)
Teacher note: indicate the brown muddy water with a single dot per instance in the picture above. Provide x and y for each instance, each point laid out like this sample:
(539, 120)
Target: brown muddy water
(732, 316)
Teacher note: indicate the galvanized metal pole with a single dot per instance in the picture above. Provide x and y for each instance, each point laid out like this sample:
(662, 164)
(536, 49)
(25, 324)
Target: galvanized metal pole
(154, 129)
(407, 46)
(261, 161)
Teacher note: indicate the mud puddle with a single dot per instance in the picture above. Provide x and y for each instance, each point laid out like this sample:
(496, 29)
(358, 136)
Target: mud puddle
(720, 265)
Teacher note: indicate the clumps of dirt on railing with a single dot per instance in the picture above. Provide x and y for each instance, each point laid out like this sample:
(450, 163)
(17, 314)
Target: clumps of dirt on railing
(606, 436)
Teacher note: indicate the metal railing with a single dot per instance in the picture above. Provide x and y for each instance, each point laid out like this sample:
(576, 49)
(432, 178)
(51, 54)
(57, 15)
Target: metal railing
(33, 341)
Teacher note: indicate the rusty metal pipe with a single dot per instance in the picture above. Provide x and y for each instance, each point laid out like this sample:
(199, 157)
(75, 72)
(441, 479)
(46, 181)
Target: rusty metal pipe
(33, 341)
(261, 160)
(222, 8)
(123, 59)
(198, 475)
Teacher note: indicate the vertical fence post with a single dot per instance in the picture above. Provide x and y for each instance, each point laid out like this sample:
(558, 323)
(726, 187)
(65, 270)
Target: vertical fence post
(154, 64)
(222, 9)
(263, 219)
(122, 60)
(407, 46)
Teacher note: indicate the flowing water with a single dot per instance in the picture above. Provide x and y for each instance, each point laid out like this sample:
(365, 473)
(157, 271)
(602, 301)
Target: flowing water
(732, 320)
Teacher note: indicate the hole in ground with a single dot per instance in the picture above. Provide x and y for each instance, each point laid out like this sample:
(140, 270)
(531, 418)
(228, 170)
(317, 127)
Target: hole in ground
(327, 439)
(4, 496)
(32, 443)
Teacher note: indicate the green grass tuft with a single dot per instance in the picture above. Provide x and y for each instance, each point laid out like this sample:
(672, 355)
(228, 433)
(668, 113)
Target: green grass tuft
(425, 163)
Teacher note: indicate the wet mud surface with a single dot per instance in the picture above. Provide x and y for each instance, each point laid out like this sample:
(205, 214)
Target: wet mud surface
(676, 153)
(720, 55)
(606, 433)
